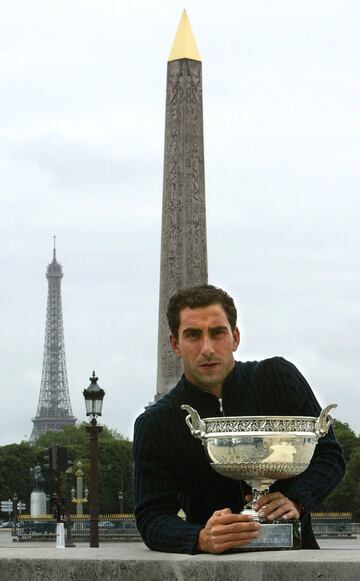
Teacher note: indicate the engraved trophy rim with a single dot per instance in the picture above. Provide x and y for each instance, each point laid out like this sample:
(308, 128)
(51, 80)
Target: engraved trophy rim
(204, 427)
(270, 418)
(242, 426)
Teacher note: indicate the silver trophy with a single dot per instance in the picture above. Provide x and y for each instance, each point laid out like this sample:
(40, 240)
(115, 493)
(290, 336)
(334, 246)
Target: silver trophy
(261, 450)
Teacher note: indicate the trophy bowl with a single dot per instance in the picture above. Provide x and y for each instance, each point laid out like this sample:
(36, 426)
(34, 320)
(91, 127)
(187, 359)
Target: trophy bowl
(259, 449)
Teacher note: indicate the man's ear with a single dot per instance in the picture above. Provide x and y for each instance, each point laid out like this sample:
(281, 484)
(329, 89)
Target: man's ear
(174, 344)
(236, 338)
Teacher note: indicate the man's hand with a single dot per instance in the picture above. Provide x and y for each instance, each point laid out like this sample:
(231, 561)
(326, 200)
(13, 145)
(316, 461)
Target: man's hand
(225, 530)
(275, 505)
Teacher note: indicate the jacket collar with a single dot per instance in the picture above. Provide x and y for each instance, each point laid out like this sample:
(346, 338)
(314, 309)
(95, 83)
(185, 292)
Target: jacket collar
(205, 403)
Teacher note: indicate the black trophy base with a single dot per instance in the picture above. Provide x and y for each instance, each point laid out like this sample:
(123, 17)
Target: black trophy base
(277, 536)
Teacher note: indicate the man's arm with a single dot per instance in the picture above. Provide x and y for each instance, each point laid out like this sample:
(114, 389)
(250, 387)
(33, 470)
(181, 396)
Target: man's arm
(327, 466)
(157, 503)
(324, 473)
(156, 491)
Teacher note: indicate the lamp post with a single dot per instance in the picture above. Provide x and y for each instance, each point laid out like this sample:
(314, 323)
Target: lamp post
(69, 472)
(77, 494)
(94, 396)
(15, 499)
(121, 502)
(121, 492)
(79, 488)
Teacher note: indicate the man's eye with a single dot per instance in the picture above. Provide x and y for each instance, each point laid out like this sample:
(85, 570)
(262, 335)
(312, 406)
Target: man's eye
(218, 332)
(192, 334)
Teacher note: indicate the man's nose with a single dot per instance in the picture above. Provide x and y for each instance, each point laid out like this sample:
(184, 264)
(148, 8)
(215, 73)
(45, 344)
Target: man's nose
(207, 348)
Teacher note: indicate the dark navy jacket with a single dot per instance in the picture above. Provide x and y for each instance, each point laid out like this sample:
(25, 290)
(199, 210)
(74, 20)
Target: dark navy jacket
(172, 470)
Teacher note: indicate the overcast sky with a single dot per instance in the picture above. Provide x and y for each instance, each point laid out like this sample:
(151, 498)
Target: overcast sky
(82, 112)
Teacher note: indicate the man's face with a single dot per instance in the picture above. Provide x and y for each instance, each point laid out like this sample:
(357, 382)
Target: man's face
(206, 344)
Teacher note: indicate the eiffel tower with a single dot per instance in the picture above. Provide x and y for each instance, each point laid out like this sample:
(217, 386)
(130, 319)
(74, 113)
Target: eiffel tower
(54, 408)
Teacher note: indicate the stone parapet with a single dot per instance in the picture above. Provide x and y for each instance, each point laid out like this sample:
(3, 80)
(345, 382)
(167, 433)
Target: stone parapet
(134, 562)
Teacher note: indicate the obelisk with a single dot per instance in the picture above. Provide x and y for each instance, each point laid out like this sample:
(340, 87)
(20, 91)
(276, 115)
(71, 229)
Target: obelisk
(183, 236)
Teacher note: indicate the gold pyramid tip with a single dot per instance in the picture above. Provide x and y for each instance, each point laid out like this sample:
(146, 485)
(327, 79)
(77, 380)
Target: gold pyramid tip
(184, 45)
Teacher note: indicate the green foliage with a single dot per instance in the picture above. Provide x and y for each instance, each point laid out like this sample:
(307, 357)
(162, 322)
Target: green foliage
(346, 497)
(346, 437)
(15, 463)
(114, 456)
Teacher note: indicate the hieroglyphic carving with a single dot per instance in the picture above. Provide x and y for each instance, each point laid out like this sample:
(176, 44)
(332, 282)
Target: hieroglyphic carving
(183, 239)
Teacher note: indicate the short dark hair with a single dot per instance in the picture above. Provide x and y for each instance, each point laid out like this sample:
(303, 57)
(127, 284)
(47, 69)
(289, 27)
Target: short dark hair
(194, 297)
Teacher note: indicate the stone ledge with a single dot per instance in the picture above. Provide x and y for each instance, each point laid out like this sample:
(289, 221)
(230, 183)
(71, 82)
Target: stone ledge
(134, 562)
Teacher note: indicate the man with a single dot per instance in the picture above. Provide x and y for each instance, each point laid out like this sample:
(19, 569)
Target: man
(171, 467)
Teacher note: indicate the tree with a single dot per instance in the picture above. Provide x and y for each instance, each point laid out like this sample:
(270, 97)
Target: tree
(346, 496)
(15, 463)
(347, 438)
(115, 465)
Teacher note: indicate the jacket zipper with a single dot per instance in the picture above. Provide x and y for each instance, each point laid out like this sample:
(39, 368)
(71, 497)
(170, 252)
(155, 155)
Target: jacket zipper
(221, 406)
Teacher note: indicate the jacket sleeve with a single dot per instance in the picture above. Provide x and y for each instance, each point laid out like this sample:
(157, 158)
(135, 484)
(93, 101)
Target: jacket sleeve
(157, 493)
(327, 466)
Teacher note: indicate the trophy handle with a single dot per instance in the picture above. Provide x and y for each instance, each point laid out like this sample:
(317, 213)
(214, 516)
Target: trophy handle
(324, 421)
(195, 424)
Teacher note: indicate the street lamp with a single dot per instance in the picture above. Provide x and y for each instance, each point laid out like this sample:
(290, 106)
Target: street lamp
(121, 492)
(69, 472)
(94, 396)
(121, 502)
(77, 494)
(15, 499)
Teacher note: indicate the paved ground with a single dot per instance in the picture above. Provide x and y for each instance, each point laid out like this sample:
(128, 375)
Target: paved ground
(132, 561)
